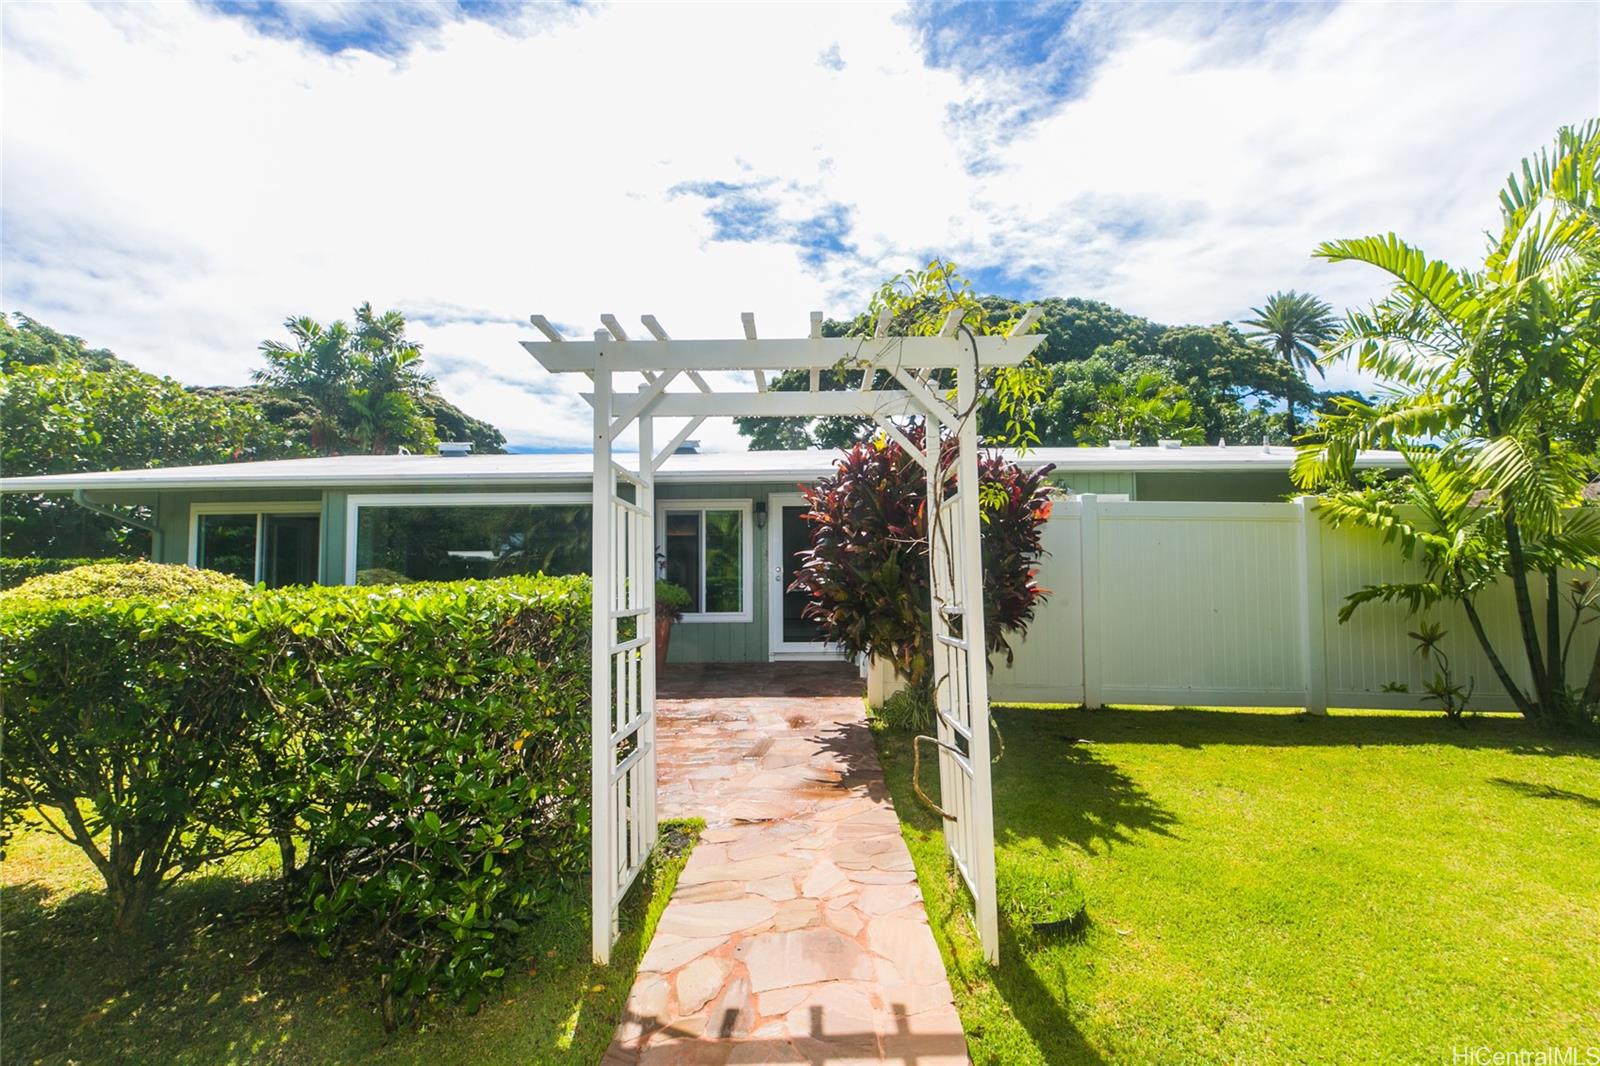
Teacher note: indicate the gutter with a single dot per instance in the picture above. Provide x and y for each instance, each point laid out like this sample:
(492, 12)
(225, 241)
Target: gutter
(81, 498)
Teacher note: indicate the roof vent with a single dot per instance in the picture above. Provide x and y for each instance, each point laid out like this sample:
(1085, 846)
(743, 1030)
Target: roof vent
(1121, 445)
(1171, 444)
(688, 447)
(455, 447)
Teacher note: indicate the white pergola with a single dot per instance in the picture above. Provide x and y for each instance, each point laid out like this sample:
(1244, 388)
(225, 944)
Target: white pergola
(623, 775)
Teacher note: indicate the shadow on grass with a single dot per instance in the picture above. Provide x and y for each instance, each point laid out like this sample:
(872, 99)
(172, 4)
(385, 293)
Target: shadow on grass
(1051, 787)
(1192, 727)
(218, 981)
(1537, 791)
(210, 981)
(1022, 995)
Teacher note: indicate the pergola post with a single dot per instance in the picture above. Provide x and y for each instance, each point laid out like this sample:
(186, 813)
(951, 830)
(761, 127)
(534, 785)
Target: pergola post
(623, 671)
(976, 663)
(603, 630)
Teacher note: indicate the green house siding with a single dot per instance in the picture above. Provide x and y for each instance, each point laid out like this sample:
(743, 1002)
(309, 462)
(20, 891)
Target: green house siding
(171, 544)
(691, 641)
(727, 642)
(1100, 482)
(1249, 486)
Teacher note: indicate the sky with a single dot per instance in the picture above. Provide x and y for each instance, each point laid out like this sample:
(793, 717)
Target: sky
(177, 179)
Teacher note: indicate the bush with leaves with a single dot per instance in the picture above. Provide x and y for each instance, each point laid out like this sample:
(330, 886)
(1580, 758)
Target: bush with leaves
(15, 570)
(866, 573)
(118, 580)
(127, 726)
(429, 744)
(434, 740)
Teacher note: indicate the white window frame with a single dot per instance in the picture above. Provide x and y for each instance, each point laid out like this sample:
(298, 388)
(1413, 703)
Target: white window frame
(260, 509)
(746, 508)
(354, 503)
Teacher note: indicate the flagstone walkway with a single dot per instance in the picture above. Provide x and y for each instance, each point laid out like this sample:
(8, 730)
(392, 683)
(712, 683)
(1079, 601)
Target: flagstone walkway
(796, 933)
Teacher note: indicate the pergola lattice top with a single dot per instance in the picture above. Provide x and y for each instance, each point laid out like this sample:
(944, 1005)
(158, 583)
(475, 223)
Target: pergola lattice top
(661, 360)
(622, 677)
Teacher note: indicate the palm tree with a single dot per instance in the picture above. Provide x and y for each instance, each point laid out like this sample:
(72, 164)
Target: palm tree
(1295, 326)
(316, 366)
(386, 381)
(1497, 370)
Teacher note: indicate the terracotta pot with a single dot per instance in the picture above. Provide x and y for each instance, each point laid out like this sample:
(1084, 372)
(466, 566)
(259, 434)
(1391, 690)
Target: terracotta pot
(663, 638)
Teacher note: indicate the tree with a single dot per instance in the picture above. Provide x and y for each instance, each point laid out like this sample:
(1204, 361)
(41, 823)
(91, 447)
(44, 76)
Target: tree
(1295, 326)
(1143, 408)
(362, 386)
(1496, 371)
(916, 303)
(70, 416)
(867, 571)
(32, 343)
(1087, 345)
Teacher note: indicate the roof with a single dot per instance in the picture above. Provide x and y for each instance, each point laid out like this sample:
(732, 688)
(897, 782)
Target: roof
(351, 471)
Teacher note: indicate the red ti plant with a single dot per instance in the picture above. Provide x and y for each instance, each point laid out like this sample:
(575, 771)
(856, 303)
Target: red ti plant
(867, 571)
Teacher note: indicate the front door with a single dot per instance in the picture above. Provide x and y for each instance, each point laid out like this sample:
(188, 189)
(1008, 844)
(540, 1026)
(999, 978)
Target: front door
(790, 636)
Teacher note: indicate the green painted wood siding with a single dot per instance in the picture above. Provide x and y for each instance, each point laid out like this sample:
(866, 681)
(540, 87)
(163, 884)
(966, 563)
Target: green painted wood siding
(1100, 482)
(727, 642)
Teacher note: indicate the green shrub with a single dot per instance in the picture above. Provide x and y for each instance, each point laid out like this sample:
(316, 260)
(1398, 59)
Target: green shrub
(141, 580)
(126, 723)
(909, 710)
(435, 741)
(382, 575)
(429, 744)
(14, 571)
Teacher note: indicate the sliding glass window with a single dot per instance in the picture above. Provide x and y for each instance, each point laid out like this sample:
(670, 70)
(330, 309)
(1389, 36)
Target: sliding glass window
(707, 549)
(437, 539)
(274, 547)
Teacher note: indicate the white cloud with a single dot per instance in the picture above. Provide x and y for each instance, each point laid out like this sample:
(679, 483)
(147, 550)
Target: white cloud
(176, 184)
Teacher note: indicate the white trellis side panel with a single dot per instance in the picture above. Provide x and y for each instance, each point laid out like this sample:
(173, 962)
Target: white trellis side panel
(960, 670)
(623, 671)
(623, 739)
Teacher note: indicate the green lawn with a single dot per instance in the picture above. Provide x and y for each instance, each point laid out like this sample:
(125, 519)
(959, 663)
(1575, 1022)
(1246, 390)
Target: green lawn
(217, 984)
(1272, 887)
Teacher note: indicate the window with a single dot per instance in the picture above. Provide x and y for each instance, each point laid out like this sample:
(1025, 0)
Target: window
(275, 543)
(455, 536)
(707, 548)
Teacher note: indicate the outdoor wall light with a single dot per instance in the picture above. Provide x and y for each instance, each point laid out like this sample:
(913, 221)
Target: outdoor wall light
(761, 514)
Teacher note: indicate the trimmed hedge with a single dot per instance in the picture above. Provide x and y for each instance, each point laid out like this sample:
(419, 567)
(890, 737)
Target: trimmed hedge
(17, 569)
(429, 745)
(122, 580)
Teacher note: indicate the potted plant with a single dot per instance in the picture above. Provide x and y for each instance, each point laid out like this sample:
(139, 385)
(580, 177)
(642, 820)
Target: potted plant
(670, 601)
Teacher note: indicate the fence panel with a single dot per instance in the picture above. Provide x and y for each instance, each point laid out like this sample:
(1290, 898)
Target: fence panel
(1237, 605)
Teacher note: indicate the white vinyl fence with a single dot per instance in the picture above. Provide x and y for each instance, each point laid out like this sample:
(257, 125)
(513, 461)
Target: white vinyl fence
(1236, 604)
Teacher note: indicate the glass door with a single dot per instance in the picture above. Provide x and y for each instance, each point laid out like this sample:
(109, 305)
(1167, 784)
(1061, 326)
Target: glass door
(789, 634)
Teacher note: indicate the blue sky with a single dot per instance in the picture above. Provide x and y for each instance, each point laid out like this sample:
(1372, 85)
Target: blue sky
(180, 178)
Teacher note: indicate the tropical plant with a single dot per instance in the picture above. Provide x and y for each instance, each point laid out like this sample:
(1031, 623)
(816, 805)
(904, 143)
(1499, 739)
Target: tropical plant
(866, 573)
(363, 386)
(1143, 408)
(1295, 326)
(671, 600)
(1495, 371)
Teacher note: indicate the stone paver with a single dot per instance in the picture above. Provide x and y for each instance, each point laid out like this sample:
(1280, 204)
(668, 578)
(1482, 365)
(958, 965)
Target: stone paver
(797, 931)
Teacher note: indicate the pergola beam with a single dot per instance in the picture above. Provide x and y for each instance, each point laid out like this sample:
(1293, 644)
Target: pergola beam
(774, 405)
(889, 353)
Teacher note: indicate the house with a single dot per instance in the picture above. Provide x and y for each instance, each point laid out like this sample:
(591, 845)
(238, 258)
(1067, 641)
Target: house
(723, 520)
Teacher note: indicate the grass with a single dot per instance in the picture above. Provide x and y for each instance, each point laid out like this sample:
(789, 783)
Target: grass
(1267, 886)
(217, 983)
